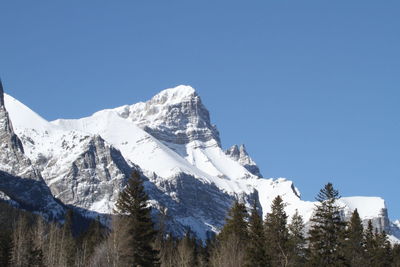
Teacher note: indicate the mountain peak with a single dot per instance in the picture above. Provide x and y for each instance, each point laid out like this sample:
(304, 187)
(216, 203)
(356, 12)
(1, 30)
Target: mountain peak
(240, 154)
(175, 115)
(175, 95)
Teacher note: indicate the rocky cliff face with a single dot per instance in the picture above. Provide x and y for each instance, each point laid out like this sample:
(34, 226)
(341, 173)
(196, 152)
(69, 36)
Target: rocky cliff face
(20, 181)
(12, 158)
(169, 139)
(174, 116)
(240, 155)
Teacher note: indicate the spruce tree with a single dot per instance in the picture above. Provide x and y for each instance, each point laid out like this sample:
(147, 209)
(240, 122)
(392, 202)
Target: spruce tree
(133, 203)
(383, 252)
(256, 255)
(353, 244)
(236, 223)
(297, 241)
(277, 234)
(231, 243)
(396, 255)
(369, 244)
(326, 230)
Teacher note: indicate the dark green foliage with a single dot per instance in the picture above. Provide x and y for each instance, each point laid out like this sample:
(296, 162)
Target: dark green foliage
(396, 255)
(353, 244)
(236, 223)
(256, 255)
(297, 241)
(133, 203)
(27, 240)
(383, 252)
(277, 234)
(378, 251)
(230, 248)
(327, 230)
(369, 244)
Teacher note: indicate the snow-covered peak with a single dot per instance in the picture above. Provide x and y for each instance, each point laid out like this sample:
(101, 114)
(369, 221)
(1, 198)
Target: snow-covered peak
(23, 117)
(176, 115)
(240, 154)
(174, 95)
(367, 207)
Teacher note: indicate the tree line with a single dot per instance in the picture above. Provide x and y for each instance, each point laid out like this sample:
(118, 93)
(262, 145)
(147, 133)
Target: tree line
(246, 239)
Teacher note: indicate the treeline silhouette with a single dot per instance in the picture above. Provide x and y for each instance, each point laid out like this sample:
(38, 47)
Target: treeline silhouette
(247, 239)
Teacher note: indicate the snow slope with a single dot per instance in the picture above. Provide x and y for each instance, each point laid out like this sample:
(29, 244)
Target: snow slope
(173, 141)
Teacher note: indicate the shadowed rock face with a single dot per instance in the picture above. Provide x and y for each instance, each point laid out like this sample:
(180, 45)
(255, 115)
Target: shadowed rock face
(192, 204)
(94, 179)
(12, 158)
(19, 180)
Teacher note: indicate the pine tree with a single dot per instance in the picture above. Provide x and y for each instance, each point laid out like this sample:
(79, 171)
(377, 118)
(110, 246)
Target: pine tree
(353, 245)
(236, 223)
(297, 241)
(383, 253)
(326, 230)
(370, 244)
(133, 203)
(396, 255)
(277, 234)
(256, 255)
(231, 242)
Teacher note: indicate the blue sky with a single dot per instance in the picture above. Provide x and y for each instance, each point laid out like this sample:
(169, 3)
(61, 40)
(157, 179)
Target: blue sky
(311, 87)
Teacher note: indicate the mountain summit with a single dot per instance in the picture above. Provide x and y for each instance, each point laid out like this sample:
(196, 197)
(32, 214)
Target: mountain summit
(170, 140)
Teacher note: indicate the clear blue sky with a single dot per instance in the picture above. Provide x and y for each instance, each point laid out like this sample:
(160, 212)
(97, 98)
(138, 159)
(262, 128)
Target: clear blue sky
(311, 87)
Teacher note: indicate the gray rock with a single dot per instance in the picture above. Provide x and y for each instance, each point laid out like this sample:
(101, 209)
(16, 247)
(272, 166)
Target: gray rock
(240, 155)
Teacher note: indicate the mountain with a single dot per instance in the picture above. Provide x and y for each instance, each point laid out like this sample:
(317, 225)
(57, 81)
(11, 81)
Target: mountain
(170, 140)
(20, 181)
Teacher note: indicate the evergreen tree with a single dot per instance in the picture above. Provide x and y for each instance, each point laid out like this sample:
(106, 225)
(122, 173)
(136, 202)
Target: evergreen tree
(396, 255)
(231, 242)
(353, 245)
(297, 241)
(133, 203)
(370, 244)
(236, 223)
(326, 230)
(383, 252)
(256, 255)
(277, 234)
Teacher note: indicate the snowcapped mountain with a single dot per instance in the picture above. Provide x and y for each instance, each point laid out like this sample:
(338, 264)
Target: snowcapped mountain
(171, 140)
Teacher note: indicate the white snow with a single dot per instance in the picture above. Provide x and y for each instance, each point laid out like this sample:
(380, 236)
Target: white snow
(367, 207)
(204, 160)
